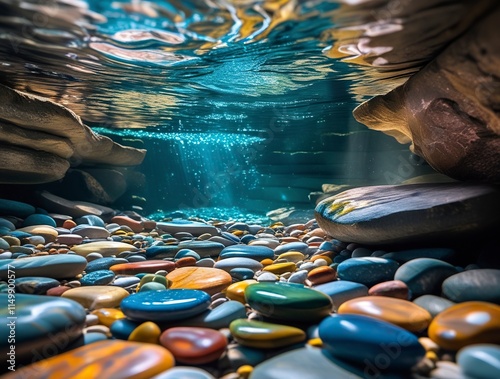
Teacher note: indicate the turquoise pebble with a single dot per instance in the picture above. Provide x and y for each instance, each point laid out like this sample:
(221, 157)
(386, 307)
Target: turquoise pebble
(367, 270)
(292, 246)
(164, 306)
(161, 251)
(39, 219)
(187, 253)
(288, 302)
(4, 245)
(247, 251)
(205, 249)
(121, 329)
(218, 317)
(241, 273)
(90, 220)
(98, 278)
(103, 263)
(89, 338)
(16, 208)
(35, 285)
(385, 347)
(183, 372)
(60, 266)
(480, 361)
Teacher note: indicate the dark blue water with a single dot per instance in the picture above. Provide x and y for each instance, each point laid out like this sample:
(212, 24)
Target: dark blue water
(237, 103)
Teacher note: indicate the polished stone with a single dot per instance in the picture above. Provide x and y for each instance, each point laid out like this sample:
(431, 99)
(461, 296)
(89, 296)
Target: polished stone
(108, 316)
(193, 227)
(367, 270)
(433, 304)
(35, 285)
(473, 285)
(280, 268)
(130, 360)
(288, 302)
(341, 291)
(321, 275)
(236, 291)
(216, 318)
(184, 372)
(44, 326)
(103, 263)
(265, 335)
(105, 248)
(230, 263)
(391, 288)
(194, 345)
(98, 278)
(95, 297)
(399, 312)
(210, 280)
(149, 266)
(424, 276)
(147, 332)
(165, 306)
(61, 266)
(480, 361)
(384, 345)
(247, 251)
(465, 324)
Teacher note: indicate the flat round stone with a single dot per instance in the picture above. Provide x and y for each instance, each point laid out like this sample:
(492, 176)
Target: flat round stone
(280, 268)
(230, 263)
(95, 297)
(210, 280)
(385, 346)
(97, 278)
(424, 276)
(399, 312)
(49, 233)
(149, 266)
(265, 335)
(473, 285)
(108, 316)
(194, 345)
(35, 285)
(164, 306)
(126, 357)
(247, 251)
(205, 249)
(236, 291)
(103, 263)
(465, 324)
(61, 266)
(380, 215)
(480, 361)
(184, 372)
(433, 304)
(291, 246)
(105, 248)
(193, 227)
(391, 288)
(288, 302)
(341, 291)
(367, 270)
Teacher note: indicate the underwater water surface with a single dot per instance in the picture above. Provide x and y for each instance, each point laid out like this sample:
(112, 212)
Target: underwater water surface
(237, 102)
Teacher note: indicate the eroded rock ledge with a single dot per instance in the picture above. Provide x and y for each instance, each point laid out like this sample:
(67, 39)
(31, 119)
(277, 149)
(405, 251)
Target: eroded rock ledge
(40, 140)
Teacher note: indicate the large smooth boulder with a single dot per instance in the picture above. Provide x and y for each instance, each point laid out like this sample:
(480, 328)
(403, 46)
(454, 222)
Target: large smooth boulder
(40, 140)
(402, 214)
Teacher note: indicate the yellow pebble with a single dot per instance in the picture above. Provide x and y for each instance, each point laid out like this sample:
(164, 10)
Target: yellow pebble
(292, 256)
(428, 344)
(280, 268)
(107, 316)
(236, 291)
(147, 332)
(266, 262)
(432, 356)
(244, 371)
(316, 342)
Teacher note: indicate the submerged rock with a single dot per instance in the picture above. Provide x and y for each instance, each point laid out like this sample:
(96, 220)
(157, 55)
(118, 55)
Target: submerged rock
(449, 109)
(40, 139)
(409, 213)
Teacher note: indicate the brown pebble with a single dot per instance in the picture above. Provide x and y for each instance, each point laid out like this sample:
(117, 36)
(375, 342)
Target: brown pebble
(185, 262)
(68, 224)
(391, 288)
(57, 291)
(323, 274)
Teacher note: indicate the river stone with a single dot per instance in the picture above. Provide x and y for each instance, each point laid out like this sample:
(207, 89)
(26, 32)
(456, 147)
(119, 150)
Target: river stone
(161, 251)
(205, 249)
(193, 227)
(480, 361)
(367, 270)
(473, 285)
(247, 251)
(16, 208)
(229, 264)
(210, 280)
(288, 302)
(184, 372)
(45, 326)
(147, 266)
(127, 356)
(35, 285)
(265, 335)
(91, 232)
(433, 304)
(424, 276)
(98, 278)
(95, 297)
(105, 248)
(39, 219)
(59, 136)
(103, 263)
(382, 342)
(409, 213)
(60, 266)
(341, 291)
(164, 306)
(216, 318)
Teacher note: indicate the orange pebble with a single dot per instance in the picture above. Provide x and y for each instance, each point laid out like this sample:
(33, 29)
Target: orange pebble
(266, 262)
(323, 274)
(68, 224)
(186, 261)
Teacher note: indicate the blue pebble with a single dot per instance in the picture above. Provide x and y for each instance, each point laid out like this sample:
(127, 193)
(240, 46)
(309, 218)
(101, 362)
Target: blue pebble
(161, 251)
(231, 237)
(480, 361)
(98, 278)
(247, 251)
(370, 343)
(292, 246)
(121, 329)
(187, 253)
(247, 238)
(241, 273)
(341, 291)
(91, 220)
(163, 306)
(16, 208)
(35, 285)
(367, 270)
(39, 219)
(103, 264)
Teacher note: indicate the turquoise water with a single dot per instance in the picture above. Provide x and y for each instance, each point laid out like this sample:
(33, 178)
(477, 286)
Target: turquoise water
(237, 103)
